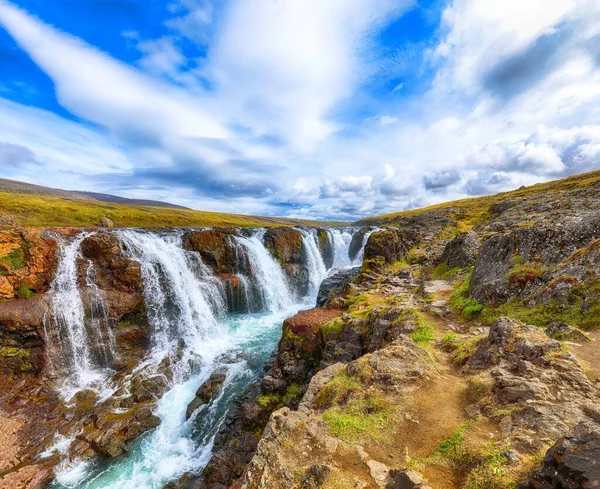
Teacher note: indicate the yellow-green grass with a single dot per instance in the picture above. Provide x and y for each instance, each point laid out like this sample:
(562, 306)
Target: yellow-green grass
(469, 212)
(49, 211)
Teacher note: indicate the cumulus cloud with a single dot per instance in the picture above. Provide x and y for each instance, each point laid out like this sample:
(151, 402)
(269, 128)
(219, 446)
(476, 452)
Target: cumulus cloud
(510, 95)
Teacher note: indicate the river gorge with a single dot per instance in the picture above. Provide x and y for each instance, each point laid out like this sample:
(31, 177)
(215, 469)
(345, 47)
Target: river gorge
(204, 301)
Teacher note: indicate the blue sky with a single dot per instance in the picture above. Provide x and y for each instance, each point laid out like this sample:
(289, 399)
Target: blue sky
(306, 108)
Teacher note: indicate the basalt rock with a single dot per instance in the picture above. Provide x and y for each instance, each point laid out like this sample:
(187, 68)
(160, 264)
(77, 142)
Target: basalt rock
(286, 246)
(334, 284)
(27, 263)
(489, 279)
(573, 462)
(461, 251)
(214, 246)
(206, 392)
(325, 247)
(21, 335)
(392, 244)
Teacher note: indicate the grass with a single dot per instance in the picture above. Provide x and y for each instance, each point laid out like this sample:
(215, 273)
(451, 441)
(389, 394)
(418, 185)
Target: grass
(580, 308)
(50, 211)
(443, 272)
(24, 292)
(424, 333)
(460, 301)
(483, 464)
(462, 348)
(15, 259)
(363, 417)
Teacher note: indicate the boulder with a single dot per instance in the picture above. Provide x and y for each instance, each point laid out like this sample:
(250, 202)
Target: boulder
(105, 222)
(391, 244)
(461, 251)
(573, 462)
(334, 284)
(406, 479)
(214, 246)
(207, 391)
(489, 279)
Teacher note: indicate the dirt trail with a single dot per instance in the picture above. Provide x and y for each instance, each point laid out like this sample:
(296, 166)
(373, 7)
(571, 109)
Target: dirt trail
(588, 354)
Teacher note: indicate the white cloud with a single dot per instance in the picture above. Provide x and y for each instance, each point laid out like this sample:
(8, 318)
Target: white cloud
(279, 71)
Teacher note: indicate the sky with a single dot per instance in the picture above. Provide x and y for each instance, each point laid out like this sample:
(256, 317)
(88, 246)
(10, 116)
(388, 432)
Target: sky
(323, 109)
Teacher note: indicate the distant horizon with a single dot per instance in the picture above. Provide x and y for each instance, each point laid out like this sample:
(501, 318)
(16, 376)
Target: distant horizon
(322, 110)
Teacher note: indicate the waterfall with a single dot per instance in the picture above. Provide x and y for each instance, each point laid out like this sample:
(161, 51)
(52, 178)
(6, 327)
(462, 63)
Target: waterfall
(359, 257)
(339, 240)
(187, 308)
(182, 306)
(267, 274)
(80, 347)
(314, 262)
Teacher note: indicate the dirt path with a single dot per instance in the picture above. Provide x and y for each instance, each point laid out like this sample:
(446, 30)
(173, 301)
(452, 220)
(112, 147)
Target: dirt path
(588, 354)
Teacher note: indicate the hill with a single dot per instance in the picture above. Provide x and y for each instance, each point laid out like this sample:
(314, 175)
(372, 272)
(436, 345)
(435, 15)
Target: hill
(24, 204)
(466, 214)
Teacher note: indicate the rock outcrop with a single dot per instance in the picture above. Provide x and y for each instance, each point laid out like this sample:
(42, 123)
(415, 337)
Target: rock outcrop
(461, 251)
(573, 462)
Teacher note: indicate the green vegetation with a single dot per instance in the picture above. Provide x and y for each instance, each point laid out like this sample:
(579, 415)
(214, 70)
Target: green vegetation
(444, 272)
(424, 333)
(362, 417)
(332, 327)
(24, 292)
(479, 388)
(579, 308)
(15, 259)
(461, 302)
(19, 355)
(462, 348)
(483, 464)
(269, 400)
(337, 391)
(50, 211)
(522, 274)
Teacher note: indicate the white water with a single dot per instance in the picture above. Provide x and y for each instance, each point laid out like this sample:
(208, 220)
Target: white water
(340, 240)
(314, 262)
(266, 273)
(185, 302)
(359, 256)
(79, 349)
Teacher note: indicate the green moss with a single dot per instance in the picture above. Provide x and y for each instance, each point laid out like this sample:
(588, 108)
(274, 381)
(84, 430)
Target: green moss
(289, 335)
(363, 417)
(337, 391)
(22, 356)
(443, 272)
(24, 292)
(462, 348)
(424, 333)
(291, 393)
(15, 259)
(461, 302)
(332, 327)
(580, 308)
(269, 400)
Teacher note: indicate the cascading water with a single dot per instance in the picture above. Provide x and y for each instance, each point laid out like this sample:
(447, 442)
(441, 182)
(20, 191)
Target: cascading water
(314, 262)
(359, 257)
(186, 308)
(181, 306)
(80, 345)
(339, 240)
(267, 274)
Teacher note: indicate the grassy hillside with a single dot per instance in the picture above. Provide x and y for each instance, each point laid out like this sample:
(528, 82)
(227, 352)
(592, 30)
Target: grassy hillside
(19, 209)
(469, 212)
